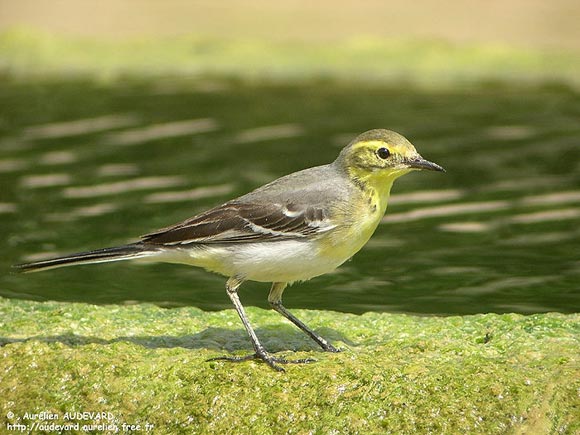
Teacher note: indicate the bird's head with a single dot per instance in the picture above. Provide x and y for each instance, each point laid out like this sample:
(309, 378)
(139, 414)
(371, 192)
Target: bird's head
(381, 156)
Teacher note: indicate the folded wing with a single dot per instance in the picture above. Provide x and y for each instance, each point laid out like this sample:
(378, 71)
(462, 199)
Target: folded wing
(243, 222)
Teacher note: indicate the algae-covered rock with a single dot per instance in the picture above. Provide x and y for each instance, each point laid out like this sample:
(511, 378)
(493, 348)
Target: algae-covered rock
(78, 368)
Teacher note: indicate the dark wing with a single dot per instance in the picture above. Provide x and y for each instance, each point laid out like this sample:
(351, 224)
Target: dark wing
(236, 222)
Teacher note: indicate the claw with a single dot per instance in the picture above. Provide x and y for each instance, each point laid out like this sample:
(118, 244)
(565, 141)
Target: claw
(330, 348)
(271, 360)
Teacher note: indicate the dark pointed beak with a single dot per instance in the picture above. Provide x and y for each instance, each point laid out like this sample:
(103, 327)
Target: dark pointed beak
(420, 163)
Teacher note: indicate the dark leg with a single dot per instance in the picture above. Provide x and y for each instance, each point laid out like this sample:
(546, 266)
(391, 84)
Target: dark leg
(275, 299)
(232, 290)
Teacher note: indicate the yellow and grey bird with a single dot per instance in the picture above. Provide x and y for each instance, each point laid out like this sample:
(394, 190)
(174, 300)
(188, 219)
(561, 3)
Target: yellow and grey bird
(292, 229)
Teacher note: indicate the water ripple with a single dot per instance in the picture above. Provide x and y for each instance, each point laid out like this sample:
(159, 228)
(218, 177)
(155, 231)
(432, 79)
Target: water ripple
(116, 169)
(13, 165)
(466, 227)
(528, 183)
(6, 207)
(503, 284)
(189, 195)
(271, 132)
(80, 126)
(426, 196)
(523, 218)
(57, 158)
(162, 131)
(545, 216)
(537, 239)
(80, 212)
(446, 210)
(45, 180)
(135, 184)
(510, 132)
(553, 198)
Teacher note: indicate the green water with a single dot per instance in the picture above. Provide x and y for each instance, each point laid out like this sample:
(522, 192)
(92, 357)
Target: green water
(84, 165)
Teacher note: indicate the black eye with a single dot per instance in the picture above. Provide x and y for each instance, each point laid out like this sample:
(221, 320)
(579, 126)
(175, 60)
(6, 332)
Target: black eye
(383, 153)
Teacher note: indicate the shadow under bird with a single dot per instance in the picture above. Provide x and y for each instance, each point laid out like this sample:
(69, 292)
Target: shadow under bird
(293, 229)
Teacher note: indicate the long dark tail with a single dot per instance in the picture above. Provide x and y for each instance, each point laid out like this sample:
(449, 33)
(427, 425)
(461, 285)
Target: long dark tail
(117, 253)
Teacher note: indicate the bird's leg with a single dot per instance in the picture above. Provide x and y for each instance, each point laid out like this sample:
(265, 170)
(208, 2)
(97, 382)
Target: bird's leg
(275, 300)
(232, 286)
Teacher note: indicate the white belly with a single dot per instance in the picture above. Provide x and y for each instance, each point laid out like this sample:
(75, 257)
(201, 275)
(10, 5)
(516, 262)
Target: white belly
(284, 261)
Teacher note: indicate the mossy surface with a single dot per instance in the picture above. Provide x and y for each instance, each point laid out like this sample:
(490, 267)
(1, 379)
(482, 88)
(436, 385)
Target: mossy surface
(140, 364)
(427, 63)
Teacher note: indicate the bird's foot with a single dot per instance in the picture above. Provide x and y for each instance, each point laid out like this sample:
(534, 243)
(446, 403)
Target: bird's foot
(330, 348)
(263, 355)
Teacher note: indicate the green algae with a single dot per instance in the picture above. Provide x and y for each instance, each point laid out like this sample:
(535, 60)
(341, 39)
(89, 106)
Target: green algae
(426, 63)
(144, 365)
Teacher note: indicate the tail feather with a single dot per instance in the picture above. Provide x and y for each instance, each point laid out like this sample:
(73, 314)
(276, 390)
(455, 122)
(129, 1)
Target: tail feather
(117, 253)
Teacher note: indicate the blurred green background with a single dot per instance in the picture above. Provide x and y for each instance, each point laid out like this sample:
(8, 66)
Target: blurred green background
(117, 118)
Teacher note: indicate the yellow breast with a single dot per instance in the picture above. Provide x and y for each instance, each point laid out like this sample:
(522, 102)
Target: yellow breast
(357, 223)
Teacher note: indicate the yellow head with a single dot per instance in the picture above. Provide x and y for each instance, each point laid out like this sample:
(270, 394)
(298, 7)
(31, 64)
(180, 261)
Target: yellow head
(377, 157)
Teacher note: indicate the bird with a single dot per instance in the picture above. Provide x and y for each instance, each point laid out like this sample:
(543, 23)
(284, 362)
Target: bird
(292, 229)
